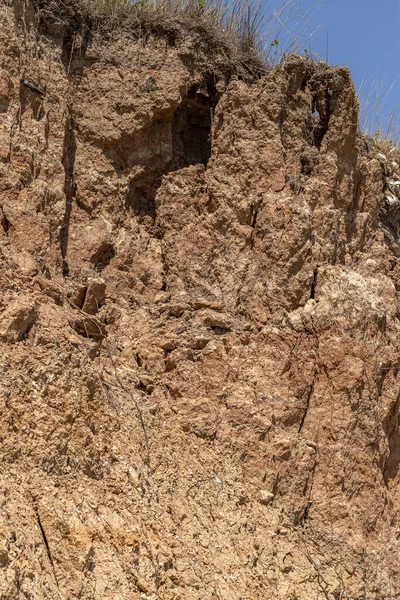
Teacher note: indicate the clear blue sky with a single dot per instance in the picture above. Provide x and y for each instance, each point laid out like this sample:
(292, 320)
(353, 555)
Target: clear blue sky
(363, 35)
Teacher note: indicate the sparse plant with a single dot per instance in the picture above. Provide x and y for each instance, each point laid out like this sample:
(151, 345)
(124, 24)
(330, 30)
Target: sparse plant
(253, 35)
(380, 123)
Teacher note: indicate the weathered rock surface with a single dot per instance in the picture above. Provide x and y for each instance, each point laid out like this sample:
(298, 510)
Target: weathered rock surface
(199, 328)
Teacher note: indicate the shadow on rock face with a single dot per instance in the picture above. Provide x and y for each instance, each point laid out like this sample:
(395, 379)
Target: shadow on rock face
(191, 145)
(191, 128)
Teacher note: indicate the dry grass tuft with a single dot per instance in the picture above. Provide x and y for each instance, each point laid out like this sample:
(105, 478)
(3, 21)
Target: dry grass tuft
(251, 35)
(377, 121)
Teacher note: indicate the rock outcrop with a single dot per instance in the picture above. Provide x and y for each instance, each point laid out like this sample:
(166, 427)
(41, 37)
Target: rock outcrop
(199, 326)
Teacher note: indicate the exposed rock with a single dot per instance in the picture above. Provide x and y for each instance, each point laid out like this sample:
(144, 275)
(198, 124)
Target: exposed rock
(199, 328)
(266, 497)
(16, 320)
(95, 296)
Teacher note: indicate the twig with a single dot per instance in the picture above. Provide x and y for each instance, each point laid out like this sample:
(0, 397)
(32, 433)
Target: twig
(128, 391)
(32, 87)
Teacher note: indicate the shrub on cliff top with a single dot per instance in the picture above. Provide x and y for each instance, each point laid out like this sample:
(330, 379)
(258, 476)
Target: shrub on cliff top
(251, 36)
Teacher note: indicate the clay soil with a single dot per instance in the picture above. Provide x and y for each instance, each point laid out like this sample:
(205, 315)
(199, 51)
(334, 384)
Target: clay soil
(199, 325)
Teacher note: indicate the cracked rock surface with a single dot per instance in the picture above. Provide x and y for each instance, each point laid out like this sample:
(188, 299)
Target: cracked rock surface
(199, 328)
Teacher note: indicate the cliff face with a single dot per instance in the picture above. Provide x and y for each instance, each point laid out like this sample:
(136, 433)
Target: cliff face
(199, 326)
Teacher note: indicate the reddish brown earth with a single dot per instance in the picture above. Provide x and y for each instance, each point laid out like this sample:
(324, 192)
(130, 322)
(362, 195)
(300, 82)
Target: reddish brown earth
(199, 328)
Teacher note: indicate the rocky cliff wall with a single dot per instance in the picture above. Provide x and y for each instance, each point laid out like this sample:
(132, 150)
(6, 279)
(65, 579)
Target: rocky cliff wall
(199, 325)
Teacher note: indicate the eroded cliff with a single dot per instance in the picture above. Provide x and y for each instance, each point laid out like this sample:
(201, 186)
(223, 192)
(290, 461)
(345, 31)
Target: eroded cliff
(199, 324)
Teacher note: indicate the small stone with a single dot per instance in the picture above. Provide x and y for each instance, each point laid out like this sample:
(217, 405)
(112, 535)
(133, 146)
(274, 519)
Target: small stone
(200, 303)
(266, 497)
(215, 320)
(26, 262)
(95, 296)
(161, 298)
(170, 364)
(17, 320)
(168, 345)
(199, 342)
(3, 558)
(78, 295)
(311, 444)
(176, 310)
(146, 380)
(150, 84)
(245, 338)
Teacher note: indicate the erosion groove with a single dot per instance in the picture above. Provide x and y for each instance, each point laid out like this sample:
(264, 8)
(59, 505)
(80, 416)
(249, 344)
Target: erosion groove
(68, 161)
(308, 400)
(199, 332)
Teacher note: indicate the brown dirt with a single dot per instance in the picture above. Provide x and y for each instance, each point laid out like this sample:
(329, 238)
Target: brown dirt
(199, 328)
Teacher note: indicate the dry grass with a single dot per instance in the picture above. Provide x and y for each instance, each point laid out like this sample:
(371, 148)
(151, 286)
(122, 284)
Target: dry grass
(249, 25)
(250, 34)
(379, 122)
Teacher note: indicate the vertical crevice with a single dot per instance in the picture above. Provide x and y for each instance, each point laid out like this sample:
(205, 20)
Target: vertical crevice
(47, 546)
(254, 215)
(321, 109)
(314, 284)
(309, 396)
(68, 161)
(4, 222)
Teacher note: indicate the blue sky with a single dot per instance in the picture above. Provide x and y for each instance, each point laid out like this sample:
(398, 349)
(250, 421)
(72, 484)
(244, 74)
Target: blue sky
(363, 35)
